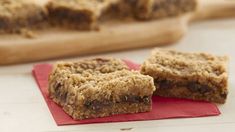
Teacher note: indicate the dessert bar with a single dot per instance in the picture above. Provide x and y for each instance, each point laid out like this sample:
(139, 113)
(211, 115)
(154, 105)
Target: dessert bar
(18, 14)
(197, 76)
(99, 87)
(86, 14)
(78, 14)
(154, 9)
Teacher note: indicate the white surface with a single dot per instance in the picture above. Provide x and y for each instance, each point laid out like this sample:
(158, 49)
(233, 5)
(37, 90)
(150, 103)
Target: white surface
(23, 109)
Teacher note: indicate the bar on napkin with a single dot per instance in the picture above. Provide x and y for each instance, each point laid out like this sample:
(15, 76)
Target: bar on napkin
(163, 108)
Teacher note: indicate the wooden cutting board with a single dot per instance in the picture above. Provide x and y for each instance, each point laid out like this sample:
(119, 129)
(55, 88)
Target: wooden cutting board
(111, 37)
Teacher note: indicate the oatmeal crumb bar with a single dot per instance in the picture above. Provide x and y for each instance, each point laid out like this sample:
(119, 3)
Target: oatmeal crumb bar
(18, 14)
(154, 9)
(197, 76)
(86, 14)
(99, 87)
(78, 14)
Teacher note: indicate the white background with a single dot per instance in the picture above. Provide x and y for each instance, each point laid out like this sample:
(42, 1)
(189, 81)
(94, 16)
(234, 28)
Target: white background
(22, 107)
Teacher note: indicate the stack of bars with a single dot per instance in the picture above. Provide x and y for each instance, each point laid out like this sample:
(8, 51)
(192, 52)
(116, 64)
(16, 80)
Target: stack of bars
(105, 86)
(85, 14)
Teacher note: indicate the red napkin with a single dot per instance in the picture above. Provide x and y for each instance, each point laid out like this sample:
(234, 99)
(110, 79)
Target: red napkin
(163, 108)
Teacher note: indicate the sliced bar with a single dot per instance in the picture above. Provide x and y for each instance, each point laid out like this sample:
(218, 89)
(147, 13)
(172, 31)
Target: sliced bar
(100, 87)
(197, 76)
(18, 14)
(78, 14)
(154, 9)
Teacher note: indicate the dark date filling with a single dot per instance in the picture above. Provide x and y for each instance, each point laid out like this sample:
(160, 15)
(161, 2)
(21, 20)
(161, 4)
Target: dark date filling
(97, 105)
(15, 24)
(64, 15)
(3, 23)
(171, 6)
(192, 86)
(58, 94)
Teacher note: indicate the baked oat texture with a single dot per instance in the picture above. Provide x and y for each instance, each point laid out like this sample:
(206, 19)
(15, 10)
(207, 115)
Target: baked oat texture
(18, 14)
(78, 14)
(99, 87)
(86, 14)
(198, 76)
(155, 9)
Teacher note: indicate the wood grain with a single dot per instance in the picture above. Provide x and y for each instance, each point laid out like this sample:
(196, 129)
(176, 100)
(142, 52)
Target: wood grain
(114, 36)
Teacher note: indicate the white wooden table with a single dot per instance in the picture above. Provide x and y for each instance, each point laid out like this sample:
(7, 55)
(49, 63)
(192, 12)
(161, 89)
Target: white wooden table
(23, 109)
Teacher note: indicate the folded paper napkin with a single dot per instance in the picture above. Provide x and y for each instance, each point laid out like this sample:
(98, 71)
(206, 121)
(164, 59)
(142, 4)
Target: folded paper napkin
(163, 108)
